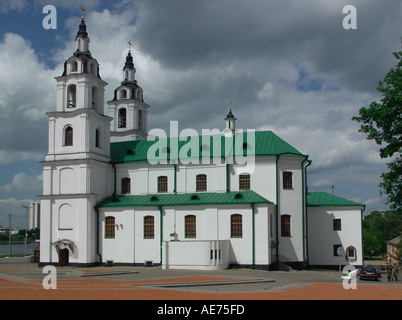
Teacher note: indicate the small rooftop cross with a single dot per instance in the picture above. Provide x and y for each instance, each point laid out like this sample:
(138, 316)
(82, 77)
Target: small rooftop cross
(129, 46)
(83, 10)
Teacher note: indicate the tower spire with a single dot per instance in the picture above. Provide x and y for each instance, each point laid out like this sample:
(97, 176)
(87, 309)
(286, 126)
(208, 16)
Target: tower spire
(230, 120)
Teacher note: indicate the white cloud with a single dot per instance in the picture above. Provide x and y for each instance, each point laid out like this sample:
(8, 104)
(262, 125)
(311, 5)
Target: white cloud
(246, 53)
(27, 92)
(13, 5)
(70, 4)
(22, 182)
(18, 213)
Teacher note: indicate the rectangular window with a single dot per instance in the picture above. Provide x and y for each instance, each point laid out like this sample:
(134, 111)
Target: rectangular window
(125, 185)
(109, 228)
(190, 226)
(244, 182)
(201, 182)
(337, 225)
(236, 226)
(285, 226)
(287, 180)
(149, 227)
(270, 226)
(162, 184)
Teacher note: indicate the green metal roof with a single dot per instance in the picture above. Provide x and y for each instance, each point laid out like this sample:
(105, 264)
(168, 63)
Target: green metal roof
(187, 199)
(324, 199)
(258, 143)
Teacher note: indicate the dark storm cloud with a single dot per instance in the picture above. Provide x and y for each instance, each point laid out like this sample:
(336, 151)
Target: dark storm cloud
(185, 34)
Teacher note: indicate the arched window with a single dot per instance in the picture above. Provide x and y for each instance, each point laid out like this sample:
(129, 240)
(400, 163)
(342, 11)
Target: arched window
(244, 182)
(98, 142)
(162, 184)
(94, 97)
(74, 66)
(236, 226)
(201, 182)
(139, 95)
(68, 136)
(351, 254)
(66, 217)
(285, 226)
(125, 185)
(122, 118)
(140, 120)
(190, 226)
(71, 96)
(149, 227)
(123, 94)
(109, 228)
(92, 68)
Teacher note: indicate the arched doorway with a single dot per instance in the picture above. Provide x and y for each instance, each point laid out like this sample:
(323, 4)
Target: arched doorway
(63, 257)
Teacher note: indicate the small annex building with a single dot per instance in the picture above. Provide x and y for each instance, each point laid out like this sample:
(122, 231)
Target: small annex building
(114, 193)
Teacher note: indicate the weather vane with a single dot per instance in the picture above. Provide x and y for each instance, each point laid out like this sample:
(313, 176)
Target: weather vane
(83, 10)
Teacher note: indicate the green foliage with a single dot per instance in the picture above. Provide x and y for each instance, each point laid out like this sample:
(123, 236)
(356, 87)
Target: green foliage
(378, 228)
(33, 234)
(382, 122)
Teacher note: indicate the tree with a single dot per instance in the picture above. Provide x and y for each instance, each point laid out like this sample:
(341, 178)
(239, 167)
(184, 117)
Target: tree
(378, 228)
(382, 122)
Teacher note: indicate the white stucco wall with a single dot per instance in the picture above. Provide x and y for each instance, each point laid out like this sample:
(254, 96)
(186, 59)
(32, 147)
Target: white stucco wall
(322, 237)
(129, 245)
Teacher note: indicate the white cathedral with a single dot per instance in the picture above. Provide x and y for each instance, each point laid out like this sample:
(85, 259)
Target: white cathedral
(115, 195)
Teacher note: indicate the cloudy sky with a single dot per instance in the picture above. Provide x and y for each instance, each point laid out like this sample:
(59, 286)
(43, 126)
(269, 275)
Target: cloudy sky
(287, 65)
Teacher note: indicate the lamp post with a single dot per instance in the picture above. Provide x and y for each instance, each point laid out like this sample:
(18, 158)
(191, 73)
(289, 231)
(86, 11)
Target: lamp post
(9, 235)
(26, 231)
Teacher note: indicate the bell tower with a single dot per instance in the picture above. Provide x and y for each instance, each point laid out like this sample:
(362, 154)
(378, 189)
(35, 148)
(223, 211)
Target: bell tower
(128, 109)
(76, 172)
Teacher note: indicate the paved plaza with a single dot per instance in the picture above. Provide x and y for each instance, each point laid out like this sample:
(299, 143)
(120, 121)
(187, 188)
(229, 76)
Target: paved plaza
(28, 281)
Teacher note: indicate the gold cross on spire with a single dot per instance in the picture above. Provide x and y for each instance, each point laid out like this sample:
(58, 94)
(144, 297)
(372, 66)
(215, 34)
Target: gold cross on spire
(83, 10)
(230, 105)
(129, 46)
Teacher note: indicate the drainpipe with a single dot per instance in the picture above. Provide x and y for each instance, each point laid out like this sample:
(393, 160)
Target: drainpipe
(253, 243)
(97, 235)
(361, 229)
(160, 231)
(277, 210)
(114, 179)
(175, 179)
(304, 219)
(305, 205)
(227, 178)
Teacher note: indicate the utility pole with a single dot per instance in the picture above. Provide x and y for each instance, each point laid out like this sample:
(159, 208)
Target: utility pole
(9, 235)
